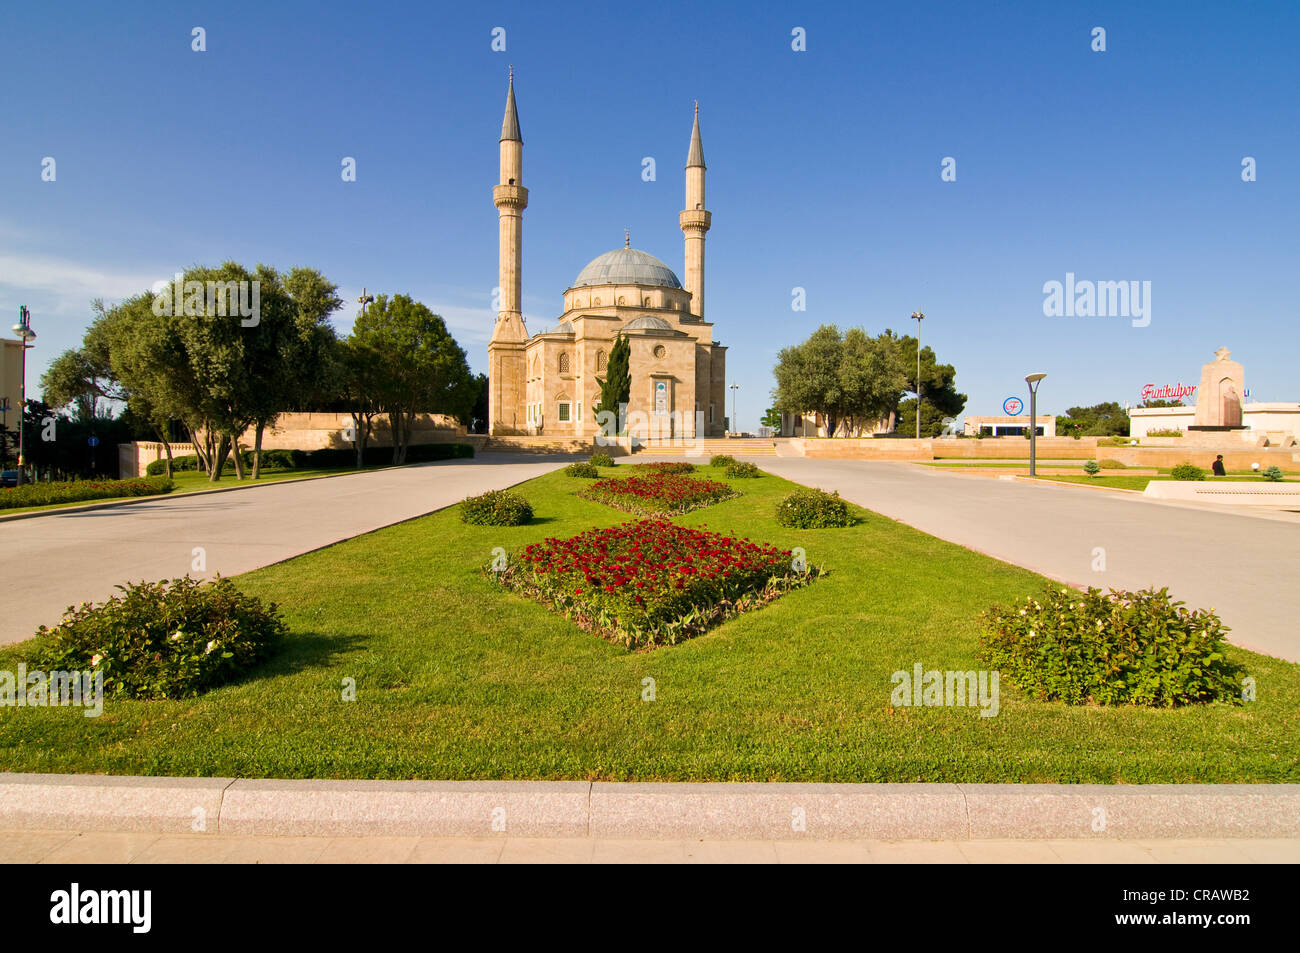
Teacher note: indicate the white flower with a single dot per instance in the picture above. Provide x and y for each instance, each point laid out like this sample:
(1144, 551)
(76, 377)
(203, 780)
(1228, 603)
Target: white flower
(1022, 611)
(176, 636)
(95, 660)
(211, 645)
(1032, 633)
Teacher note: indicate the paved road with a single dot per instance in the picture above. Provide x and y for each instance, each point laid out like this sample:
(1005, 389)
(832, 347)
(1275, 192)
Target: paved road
(1245, 566)
(92, 847)
(50, 562)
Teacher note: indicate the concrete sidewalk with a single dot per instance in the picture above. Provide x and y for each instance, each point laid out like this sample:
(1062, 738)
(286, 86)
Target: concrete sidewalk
(1242, 566)
(64, 558)
(86, 847)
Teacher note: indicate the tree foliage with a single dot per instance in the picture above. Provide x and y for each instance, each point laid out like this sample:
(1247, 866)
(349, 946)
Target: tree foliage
(616, 385)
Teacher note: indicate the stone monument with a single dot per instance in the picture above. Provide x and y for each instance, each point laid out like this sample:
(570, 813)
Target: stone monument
(1219, 396)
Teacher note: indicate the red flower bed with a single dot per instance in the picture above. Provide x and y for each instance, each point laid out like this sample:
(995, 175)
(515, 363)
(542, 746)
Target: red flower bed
(658, 494)
(666, 466)
(651, 582)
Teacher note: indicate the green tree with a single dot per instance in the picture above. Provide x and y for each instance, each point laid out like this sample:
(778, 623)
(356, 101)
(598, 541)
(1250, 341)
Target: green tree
(616, 385)
(422, 369)
(808, 377)
(772, 419)
(1107, 419)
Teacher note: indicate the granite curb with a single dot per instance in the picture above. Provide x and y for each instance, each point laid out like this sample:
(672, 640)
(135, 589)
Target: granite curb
(721, 810)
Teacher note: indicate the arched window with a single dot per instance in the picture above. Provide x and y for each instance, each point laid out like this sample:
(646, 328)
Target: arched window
(600, 360)
(564, 362)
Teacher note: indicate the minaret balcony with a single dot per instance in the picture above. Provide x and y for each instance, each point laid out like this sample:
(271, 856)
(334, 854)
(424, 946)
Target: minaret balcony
(510, 196)
(696, 219)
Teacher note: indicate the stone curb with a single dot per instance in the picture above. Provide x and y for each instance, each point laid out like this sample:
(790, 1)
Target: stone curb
(646, 810)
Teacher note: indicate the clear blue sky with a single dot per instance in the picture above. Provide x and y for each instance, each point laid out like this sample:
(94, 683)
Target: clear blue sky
(824, 168)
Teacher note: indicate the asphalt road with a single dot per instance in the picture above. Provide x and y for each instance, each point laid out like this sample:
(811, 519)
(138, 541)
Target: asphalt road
(1247, 567)
(50, 562)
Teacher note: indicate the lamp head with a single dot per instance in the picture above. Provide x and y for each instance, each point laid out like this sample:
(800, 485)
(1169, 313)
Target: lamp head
(1034, 378)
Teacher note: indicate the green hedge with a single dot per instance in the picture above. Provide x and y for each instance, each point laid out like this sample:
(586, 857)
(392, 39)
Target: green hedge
(1125, 648)
(743, 469)
(585, 470)
(327, 459)
(161, 640)
(44, 494)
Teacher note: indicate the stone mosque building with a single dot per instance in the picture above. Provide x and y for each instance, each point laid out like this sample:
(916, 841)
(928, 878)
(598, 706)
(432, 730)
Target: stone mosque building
(547, 383)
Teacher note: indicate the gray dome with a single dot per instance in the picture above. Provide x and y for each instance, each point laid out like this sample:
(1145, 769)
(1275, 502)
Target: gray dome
(647, 322)
(627, 266)
(564, 327)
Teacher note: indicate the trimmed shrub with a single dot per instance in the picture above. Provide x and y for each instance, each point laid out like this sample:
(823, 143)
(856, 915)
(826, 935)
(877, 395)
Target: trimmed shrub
(164, 639)
(1164, 433)
(601, 459)
(585, 470)
(44, 494)
(667, 466)
(722, 460)
(1273, 473)
(813, 509)
(271, 460)
(1186, 471)
(743, 470)
(1125, 648)
(496, 508)
(1091, 467)
(1109, 464)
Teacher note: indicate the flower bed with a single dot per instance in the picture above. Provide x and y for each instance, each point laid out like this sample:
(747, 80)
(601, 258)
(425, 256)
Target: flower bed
(44, 494)
(651, 582)
(658, 494)
(666, 466)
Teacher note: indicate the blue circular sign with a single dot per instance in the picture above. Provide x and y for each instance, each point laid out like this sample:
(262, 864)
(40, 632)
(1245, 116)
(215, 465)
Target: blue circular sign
(1012, 406)
(93, 441)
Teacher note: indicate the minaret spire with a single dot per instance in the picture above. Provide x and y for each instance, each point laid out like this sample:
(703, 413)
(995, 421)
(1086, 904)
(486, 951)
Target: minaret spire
(695, 219)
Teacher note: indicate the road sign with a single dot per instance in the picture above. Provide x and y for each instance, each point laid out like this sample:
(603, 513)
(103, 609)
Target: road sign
(1012, 406)
(93, 441)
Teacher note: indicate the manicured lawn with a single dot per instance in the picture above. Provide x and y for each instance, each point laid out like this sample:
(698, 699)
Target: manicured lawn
(456, 678)
(1123, 481)
(192, 481)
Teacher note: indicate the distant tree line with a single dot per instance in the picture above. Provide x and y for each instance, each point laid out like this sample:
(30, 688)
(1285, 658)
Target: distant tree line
(205, 365)
(855, 381)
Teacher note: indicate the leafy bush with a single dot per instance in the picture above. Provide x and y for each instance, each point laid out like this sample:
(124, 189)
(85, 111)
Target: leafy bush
(658, 494)
(652, 582)
(161, 640)
(743, 470)
(667, 466)
(722, 460)
(1091, 467)
(44, 494)
(1125, 648)
(1115, 441)
(1273, 473)
(601, 459)
(1165, 433)
(496, 508)
(586, 470)
(1186, 471)
(813, 509)
(1109, 464)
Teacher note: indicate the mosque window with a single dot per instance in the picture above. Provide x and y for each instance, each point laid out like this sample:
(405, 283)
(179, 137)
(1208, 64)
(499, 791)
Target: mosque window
(564, 362)
(660, 351)
(600, 360)
(564, 411)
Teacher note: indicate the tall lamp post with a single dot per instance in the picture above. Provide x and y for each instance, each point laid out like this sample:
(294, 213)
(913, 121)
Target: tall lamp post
(919, 318)
(734, 388)
(25, 333)
(1033, 380)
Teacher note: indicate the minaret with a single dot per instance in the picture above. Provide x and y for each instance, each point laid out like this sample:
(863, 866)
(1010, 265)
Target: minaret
(506, 369)
(695, 220)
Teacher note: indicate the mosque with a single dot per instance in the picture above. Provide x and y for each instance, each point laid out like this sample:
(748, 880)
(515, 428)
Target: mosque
(548, 383)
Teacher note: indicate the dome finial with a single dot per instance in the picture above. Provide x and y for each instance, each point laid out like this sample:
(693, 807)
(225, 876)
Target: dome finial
(627, 238)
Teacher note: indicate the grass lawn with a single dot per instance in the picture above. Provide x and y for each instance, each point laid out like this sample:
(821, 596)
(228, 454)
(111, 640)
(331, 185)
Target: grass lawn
(191, 481)
(1124, 481)
(458, 679)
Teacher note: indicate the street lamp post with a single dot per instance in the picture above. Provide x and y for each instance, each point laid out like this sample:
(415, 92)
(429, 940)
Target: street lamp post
(919, 318)
(25, 333)
(1033, 380)
(734, 388)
